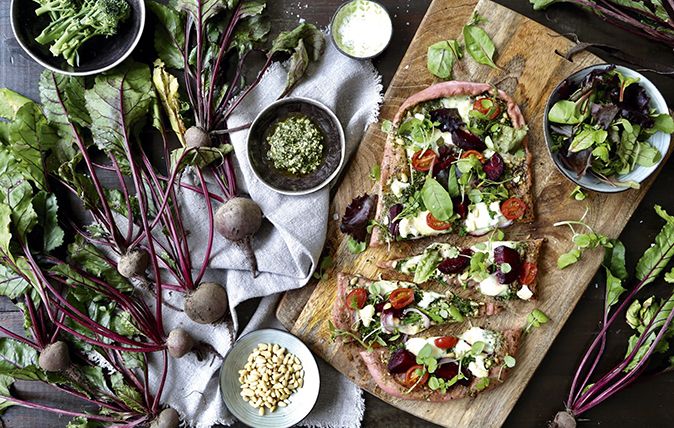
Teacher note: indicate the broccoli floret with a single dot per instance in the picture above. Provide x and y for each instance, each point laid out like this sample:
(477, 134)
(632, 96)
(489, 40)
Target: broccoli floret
(74, 22)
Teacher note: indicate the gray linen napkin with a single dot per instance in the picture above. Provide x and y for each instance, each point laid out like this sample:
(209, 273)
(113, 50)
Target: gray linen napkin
(288, 246)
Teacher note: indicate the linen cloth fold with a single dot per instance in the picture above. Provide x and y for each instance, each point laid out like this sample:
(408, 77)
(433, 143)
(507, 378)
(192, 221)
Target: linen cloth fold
(288, 246)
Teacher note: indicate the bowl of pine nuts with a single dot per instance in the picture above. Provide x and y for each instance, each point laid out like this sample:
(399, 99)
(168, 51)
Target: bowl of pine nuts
(269, 379)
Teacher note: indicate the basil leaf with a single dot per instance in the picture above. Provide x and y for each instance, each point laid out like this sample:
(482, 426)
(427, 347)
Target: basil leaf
(479, 45)
(437, 199)
(441, 57)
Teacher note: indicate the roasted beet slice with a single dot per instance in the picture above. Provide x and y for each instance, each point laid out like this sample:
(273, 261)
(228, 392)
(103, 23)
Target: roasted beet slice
(393, 212)
(358, 215)
(460, 207)
(447, 371)
(456, 264)
(467, 141)
(494, 167)
(401, 360)
(444, 160)
(503, 254)
(448, 119)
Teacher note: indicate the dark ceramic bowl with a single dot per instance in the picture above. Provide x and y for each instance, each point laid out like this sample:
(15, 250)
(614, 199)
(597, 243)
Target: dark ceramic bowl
(96, 55)
(333, 146)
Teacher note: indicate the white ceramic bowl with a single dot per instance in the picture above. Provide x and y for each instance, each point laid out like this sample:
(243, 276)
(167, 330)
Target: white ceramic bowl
(660, 140)
(301, 402)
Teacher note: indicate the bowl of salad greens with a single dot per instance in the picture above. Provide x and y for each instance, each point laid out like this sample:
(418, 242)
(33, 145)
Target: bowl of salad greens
(78, 37)
(607, 128)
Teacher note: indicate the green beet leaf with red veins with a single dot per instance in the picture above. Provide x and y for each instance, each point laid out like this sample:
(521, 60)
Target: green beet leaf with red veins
(213, 43)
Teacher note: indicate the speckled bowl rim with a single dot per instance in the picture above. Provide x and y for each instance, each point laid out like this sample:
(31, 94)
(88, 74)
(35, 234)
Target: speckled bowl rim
(334, 42)
(143, 16)
(342, 141)
(281, 333)
(548, 138)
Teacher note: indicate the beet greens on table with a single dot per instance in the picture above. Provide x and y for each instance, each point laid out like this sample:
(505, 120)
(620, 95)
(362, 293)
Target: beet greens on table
(91, 288)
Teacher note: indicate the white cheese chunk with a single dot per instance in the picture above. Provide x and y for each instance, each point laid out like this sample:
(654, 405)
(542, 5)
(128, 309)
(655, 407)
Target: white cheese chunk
(409, 329)
(415, 344)
(366, 314)
(477, 334)
(397, 187)
(477, 367)
(461, 349)
(524, 293)
(482, 218)
(462, 103)
(488, 247)
(428, 298)
(416, 226)
(386, 287)
(491, 287)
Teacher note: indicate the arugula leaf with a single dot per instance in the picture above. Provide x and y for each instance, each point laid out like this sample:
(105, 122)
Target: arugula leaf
(437, 199)
(441, 57)
(118, 103)
(657, 257)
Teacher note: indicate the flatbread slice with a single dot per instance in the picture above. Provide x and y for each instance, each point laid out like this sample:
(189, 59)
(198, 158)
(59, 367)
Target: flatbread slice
(381, 312)
(501, 269)
(482, 366)
(461, 141)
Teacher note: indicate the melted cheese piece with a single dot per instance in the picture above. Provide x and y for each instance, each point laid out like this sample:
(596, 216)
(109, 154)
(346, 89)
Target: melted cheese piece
(366, 315)
(477, 334)
(397, 187)
(415, 344)
(482, 218)
(416, 226)
(462, 103)
(428, 298)
(491, 287)
(524, 293)
(477, 367)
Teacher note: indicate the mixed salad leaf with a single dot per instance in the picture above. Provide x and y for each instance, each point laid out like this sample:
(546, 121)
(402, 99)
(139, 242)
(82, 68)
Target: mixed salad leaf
(604, 124)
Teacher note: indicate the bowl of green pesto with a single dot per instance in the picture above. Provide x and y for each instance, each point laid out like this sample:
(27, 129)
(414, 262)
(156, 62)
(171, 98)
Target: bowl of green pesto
(296, 146)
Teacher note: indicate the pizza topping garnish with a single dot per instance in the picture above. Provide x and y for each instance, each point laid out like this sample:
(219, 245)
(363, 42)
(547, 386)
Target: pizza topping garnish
(383, 311)
(494, 268)
(464, 159)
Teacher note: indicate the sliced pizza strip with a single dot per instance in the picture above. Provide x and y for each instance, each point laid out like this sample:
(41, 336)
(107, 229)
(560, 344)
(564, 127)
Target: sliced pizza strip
(380, 312)
(500, 269)
(456, 161)
(444, 368)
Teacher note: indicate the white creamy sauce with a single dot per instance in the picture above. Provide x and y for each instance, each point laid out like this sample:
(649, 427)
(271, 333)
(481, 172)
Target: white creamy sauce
(362, 28)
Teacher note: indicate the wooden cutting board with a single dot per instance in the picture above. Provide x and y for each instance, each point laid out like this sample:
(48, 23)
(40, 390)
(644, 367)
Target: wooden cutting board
(531, 68)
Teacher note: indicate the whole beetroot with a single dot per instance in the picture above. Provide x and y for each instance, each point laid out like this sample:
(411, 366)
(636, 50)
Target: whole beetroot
(55, 357)
(564, 419)
(238, 220)
(133, 263)
(179, 342)
(196, 137)
(168, 418)
(207, 304)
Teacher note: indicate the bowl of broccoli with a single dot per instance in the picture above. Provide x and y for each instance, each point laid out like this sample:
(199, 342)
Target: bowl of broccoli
(78, 37)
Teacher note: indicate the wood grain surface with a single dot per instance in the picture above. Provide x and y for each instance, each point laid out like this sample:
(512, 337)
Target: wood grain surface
(530, 69)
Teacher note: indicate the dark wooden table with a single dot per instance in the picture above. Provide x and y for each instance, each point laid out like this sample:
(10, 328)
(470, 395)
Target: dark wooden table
(645, 404)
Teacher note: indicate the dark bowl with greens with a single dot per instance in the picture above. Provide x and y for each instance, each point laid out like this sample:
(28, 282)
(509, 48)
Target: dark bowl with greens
(78, 37)
(296, 146)
(607, 128)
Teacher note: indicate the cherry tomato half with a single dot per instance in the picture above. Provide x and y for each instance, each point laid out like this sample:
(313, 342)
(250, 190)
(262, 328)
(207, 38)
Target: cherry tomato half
(357, 298)
(423, 160)
(513, 208)
(487, 107)
(436, 224)
(475, 153)
(401, 298)
(446, 342)
(528, 273)
(416, 375)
